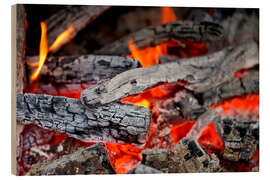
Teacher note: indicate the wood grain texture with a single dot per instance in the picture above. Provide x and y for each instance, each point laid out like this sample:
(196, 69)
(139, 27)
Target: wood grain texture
(114, 122)
(76, 15)
(154, 35)
(76, 69)
(200, 74)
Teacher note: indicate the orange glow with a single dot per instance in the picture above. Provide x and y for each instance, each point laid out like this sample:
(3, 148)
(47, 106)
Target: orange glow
(62, 38)
(148, 56)
(43, 50)
(123, 158)
(167, 15)
(242, 107)
(180, 130)
(210, 139)
(43, 47)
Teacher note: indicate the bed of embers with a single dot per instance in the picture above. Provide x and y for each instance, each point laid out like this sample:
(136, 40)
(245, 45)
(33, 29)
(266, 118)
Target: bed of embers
(105, 90)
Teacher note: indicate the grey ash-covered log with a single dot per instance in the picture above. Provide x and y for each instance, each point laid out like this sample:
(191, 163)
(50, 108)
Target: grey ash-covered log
(92, 160)
(76, 69)
(114, 122)
(77, 16)
(199, 74)
(154, 35)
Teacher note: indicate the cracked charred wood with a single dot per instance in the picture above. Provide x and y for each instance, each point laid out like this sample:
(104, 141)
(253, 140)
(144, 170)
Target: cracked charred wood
(92, 160)
(238, 87)
(199, 74)
(77, 16)
(114, 122)
(74, 69)
(143, 169)
(154, 35)
(240, 136)
(19, 43)
(186, 157)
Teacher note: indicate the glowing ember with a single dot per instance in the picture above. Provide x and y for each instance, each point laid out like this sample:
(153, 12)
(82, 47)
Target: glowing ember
(180, 130)
(43, 50)
(123, 158)
(210, 140)
(242, 107)
(167, 15)
(62, 38)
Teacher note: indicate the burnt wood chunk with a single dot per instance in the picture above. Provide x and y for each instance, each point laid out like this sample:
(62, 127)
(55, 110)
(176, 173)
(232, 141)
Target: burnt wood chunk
(143, 169)
(155, 35)
(247, 84)
(92, 160)
(186, 157)
(114, 122)
(200, 74)
(77, 16)
(240, 136)
(74, 69)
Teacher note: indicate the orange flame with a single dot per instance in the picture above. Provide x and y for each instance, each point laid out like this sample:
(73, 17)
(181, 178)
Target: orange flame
(43, 47)
(62, 38)
(167, 15)
(43, 50)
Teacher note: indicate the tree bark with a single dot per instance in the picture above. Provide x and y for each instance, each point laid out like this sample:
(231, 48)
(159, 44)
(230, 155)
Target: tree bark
(154, 35)
(77, 16)
(114, 122)
(76, 69)
(92, 160)
(199, 74)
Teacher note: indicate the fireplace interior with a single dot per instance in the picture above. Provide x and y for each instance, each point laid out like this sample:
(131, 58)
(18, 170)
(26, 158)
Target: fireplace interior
(116, 90)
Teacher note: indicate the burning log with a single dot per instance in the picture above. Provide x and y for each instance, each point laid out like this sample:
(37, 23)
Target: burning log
(154, 35)
(199, 74)
(74, 16)
(240, 136)
(247, 84)
(143, 169)
(186, 157)
(92, 160)
(114, 122)
(74, 69)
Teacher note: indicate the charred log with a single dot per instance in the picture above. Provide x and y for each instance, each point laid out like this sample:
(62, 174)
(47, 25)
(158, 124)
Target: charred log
(154, 35)
(74, 69)
(114, 122)
(199, 74)
(92, 160)
(143, 169)
(186, 157)
(77, 16)
(240, 136)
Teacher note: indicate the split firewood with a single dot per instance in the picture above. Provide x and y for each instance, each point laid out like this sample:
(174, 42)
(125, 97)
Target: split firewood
(75, 16)
(240, 136)
(143, 169)
(155, 35)
(186, 157)
(114, 122)
(75, 69)
(199, 74)
(92, 160)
